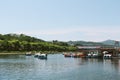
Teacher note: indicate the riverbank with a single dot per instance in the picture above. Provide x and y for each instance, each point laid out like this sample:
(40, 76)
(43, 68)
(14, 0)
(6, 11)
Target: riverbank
(12, 53)
(23, 53)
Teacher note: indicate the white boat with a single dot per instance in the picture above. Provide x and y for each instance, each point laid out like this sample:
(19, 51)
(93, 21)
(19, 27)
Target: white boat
(107, 56)
(28, 54)
(37, 54)
(42, 56)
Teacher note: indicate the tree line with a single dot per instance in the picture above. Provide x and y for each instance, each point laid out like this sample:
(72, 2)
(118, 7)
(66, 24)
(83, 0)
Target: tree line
(21, 42)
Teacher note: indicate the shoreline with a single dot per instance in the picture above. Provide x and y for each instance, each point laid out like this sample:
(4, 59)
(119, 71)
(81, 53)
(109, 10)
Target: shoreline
(11, 53)
(24, 53)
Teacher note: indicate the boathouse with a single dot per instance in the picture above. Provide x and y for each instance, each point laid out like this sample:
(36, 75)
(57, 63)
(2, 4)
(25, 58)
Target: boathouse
(99, 50)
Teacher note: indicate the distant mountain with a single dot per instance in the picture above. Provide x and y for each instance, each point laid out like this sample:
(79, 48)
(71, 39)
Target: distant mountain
(110, 42)
(85, 43)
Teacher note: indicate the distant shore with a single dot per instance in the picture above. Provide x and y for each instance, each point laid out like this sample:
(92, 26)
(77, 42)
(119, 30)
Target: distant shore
(23, 53)
(12, 53)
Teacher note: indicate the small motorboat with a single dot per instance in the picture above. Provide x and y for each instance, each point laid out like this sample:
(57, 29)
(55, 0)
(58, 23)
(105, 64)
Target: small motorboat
(107, 56)
(94, 55)
(28, 54)
(89, 55)
(67, 55)
(42, 56)
(36, 55)
(78, 55)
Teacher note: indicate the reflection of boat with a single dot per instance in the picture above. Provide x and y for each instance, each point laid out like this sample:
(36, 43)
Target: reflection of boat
(42, 56)
(28, 54)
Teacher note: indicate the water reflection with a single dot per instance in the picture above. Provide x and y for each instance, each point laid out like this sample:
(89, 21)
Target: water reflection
(12, 56)
(21, 67)
(105, 62)
(113, 63)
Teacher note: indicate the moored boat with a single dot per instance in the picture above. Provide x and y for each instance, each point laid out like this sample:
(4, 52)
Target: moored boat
(107, 56)
(74, 55)
(78, 55)
(28, 54)
(36, 55)
(67, 55)
(42, 56)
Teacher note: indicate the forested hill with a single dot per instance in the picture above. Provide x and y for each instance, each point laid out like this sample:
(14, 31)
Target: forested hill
(21, 42)
(20, 37)
(86, 43)
(109, 43)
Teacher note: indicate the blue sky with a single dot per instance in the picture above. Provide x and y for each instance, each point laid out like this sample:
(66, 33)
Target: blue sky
(64, 20)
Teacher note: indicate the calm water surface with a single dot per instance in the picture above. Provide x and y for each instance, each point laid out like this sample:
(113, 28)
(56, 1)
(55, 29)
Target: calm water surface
(56, 67)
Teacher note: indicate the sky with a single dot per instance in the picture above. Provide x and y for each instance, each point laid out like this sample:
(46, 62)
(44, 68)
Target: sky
(63, 20)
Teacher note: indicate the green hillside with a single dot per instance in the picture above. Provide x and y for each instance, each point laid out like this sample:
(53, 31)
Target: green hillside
(20, 37)
(21, 42)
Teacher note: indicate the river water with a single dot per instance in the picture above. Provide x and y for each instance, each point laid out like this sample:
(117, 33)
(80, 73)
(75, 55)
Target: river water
(56, 67)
